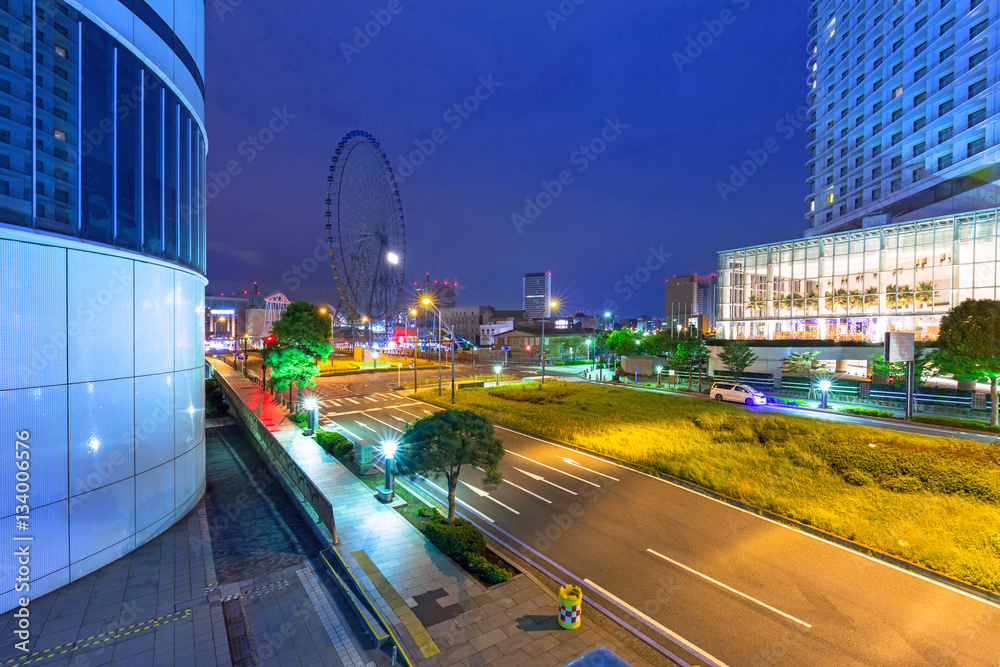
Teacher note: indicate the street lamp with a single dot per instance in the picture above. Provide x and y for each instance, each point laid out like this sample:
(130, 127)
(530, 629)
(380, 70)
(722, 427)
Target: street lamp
(429, 304)
(824, 386)
(312, 414)
(497, 369)
(374, 358)
(399, 374)
(552, 306)
(389, 452)
(246, 341)
(416, 339)
(659, 370)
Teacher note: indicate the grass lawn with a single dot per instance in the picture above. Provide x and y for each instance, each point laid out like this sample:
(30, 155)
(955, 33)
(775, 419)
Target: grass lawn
(932, 501)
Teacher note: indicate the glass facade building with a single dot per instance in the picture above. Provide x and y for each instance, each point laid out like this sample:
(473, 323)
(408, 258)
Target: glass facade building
(903, 108)
(904, 166)
(102, 261)
(856, 285)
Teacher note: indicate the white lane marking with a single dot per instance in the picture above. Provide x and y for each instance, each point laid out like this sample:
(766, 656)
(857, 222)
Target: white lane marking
(370, 399)
(574, 463)
(364, 425)
(539, 478)
(729, 588)
(530, 493)
(399, 419)
(458, 500)
(485, 494)
(352, 401)
(426, 412)
(762, 518)
(561, 472)
(662, 628)
(336, 403)
(386, 424)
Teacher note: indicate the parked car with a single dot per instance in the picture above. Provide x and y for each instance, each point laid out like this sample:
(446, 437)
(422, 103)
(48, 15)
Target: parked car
(738, 393)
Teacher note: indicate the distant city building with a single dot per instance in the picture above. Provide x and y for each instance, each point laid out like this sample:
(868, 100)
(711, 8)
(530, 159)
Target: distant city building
(682, 300)
(705, 301)
(465, 321)
(488, 331)
(442, 293)
(537, 295)
(525, 341)
(902, 111)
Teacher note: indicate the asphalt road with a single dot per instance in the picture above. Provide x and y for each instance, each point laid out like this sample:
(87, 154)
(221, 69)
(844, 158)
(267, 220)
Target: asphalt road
(711, 583)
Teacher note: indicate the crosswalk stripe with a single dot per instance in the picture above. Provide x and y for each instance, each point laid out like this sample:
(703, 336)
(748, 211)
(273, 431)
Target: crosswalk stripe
(351, 400)
(370, 399)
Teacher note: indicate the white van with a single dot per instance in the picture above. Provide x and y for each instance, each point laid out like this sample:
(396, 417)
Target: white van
(738, 393)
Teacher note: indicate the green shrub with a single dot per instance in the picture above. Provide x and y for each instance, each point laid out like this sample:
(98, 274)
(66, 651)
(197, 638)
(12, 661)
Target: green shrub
(425, 512)
(215, 399)
(903, 484)
(954, 422)
(858, 478)
(298, 420)
(490, 573)
(866, 412)
(459, 538)
(334, 444)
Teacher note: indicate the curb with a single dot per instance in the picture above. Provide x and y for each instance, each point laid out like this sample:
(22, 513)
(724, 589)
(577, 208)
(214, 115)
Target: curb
(962, 586)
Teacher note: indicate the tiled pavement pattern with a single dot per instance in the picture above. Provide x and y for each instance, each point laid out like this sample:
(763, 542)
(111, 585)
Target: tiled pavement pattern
(511, 624)
(162, 604)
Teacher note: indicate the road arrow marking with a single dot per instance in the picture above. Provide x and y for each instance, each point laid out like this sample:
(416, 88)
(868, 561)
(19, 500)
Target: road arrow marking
(574, 463)
(521, 488)
(561, 472)
(539, 478)
(731, 590)
(484, 494)
(364, 425)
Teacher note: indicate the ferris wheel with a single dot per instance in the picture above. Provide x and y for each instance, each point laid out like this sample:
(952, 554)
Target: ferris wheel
(364, 226)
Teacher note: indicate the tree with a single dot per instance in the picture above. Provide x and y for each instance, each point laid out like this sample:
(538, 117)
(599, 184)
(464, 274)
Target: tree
(574, 343)
(693, 354)
(737, 357)
(659, 343)
(801, 362)
(622, 342)
(292, 366)
(301, 337)
(923, 367)
(969, 345)
(445, 441)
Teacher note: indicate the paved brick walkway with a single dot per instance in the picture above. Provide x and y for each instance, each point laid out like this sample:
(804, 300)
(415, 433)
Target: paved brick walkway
(510, 624)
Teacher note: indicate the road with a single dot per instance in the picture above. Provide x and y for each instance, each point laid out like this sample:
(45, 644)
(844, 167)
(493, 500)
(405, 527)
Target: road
(709, 582)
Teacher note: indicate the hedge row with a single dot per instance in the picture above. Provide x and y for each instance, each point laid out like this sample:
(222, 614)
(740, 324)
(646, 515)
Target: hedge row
(463, 541)
(967, 424)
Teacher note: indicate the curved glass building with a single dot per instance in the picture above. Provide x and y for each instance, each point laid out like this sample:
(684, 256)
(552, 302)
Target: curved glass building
(102, 263)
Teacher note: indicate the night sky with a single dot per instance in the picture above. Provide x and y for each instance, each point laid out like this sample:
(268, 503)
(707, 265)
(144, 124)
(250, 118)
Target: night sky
(554, 81)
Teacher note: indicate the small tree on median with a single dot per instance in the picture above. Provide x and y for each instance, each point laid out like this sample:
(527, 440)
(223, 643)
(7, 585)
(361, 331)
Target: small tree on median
(969, 345)
(445, 441)
(737, 358)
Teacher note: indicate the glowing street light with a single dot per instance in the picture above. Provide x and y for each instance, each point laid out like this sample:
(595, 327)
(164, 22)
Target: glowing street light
(552, 305)
(497, 369)
(311, 404)
(824, 386)
(374, 358)
(389, 448)
(430, 304)
(392, 258)
(659, 369)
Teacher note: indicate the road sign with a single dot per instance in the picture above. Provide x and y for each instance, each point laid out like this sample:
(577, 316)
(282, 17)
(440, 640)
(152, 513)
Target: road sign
(505, 349)
(898, 346)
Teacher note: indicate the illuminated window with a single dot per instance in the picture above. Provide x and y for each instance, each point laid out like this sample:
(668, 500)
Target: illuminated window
(829, 197)
(897, 92)
(60, 135)
(60, 51)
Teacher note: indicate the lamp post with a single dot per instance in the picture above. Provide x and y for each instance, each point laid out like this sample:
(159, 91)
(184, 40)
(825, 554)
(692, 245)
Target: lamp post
(824, 387)
(364, 321)
(552, 306)
(497, 369)
(386, 492)
(246, 339)
(312, 418)
(416, 340)
(374, 359)
(399, 374)
(428, 303)
(659, 370)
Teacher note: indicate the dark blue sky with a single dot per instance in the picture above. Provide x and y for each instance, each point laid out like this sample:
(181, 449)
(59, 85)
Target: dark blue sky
(653, 190)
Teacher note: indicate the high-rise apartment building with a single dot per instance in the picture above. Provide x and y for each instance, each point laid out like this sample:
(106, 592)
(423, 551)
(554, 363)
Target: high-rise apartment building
(537, 295)
(102, 258)
(903, 111)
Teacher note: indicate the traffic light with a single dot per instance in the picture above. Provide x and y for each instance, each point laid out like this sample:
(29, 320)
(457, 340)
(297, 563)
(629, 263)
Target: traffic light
(269, 339)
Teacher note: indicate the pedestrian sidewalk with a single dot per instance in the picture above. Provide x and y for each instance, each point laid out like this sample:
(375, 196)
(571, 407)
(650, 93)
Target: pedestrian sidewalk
(442, 615)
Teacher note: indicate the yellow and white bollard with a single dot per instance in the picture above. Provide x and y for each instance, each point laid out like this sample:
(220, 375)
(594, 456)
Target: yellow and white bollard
(570, 607)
